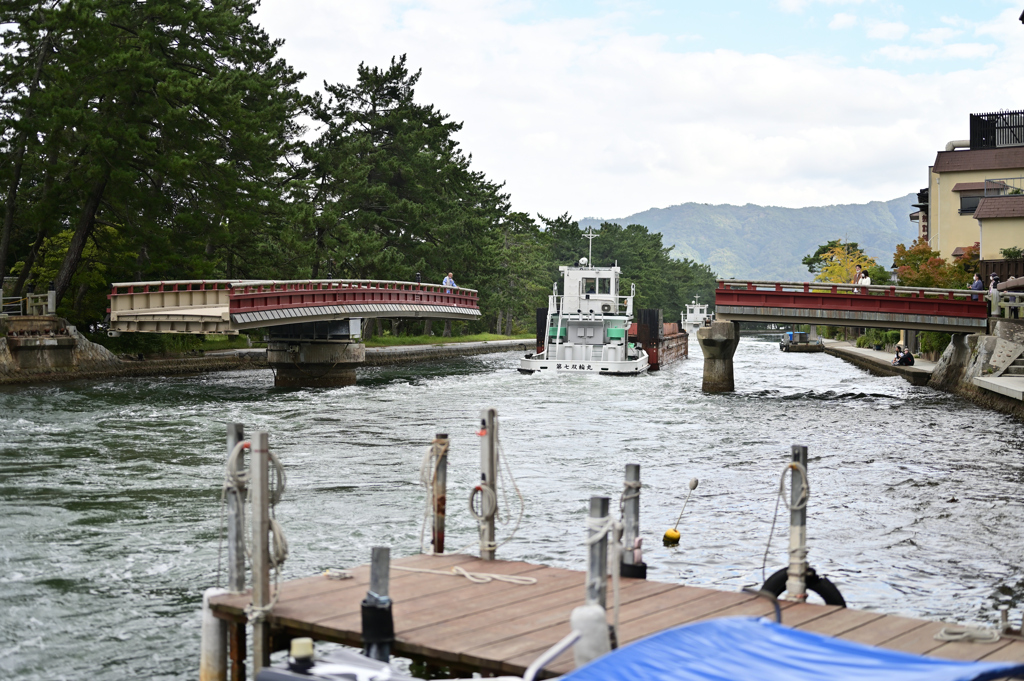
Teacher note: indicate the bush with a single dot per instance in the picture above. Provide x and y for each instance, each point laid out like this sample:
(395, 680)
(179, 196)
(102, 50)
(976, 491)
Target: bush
(883, 337)
(934, 341)
(147, 343)
(1012, 253)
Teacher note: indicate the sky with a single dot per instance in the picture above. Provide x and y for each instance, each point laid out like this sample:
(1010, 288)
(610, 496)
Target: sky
(607, 108)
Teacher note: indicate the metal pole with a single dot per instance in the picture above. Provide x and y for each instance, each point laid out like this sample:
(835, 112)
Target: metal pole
(236, 521)
(440, 490)
(796, 587)
(378, 626)
(597, 556)
(260, 548)
(631, 513)
(489, 480)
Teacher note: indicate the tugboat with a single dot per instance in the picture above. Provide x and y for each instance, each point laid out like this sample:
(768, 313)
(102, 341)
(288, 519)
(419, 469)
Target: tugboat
(587, 327)
(696, 316)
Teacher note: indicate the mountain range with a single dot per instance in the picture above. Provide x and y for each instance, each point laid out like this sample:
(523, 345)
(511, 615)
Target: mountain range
(768, 242)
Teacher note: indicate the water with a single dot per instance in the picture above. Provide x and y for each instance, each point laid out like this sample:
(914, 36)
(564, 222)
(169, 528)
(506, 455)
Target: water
(110, 489)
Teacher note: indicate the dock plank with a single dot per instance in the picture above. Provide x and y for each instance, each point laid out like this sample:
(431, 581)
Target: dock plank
(499, 627)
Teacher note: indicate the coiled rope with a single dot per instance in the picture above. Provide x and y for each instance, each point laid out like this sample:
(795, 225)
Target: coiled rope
(475, 577)
(238, 479)
(967, 634)
(801, 504)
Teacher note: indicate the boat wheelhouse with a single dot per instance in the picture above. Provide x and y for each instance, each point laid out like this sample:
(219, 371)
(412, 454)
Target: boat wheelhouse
(587, 326)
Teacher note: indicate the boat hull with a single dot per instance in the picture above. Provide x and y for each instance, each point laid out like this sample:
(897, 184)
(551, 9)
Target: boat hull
(530, 364)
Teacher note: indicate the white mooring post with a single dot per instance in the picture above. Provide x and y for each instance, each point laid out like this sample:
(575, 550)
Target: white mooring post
(260, 548)
(796, 587)
(488, 482)
(597, 556)
(440, 490)
(631, 515)
(213, 651)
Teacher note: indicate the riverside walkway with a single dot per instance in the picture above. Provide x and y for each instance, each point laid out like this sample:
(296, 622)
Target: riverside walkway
(500, 627)
(879, 362)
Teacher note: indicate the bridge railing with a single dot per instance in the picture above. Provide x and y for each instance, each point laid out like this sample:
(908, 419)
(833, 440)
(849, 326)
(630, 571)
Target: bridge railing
(852, 289)
(254, 296)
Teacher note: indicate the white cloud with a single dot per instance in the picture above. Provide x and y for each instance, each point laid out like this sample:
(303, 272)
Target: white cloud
(576, 115)
(799, 5)
(952, 51)
(887, 30)
(937, 36)
(841, 20)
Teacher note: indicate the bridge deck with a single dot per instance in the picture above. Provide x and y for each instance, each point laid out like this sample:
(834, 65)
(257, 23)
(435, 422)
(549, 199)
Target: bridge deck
(225, 306)
(501, 628)
(893, 307)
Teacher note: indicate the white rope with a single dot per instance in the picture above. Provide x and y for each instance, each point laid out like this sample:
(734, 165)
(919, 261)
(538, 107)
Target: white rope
(967, 634)
(801, 504)
(611, 528)
(475, 577)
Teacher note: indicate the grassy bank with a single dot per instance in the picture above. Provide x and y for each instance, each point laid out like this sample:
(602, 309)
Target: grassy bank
(386, 341)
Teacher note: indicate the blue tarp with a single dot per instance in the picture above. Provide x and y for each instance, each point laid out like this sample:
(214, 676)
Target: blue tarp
(741, 648)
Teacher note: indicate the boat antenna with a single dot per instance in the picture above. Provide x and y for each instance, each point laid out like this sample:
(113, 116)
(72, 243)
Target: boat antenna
(591, 236)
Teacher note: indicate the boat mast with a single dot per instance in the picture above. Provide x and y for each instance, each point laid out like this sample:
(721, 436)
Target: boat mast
(590, 236)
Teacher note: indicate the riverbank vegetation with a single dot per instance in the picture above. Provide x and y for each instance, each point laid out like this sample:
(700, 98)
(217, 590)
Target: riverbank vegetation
(168, 140)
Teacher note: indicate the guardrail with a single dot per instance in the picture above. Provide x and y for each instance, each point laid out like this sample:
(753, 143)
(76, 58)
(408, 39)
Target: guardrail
(10, 305)
(857, 289)
(258, 296)
(1005, 305)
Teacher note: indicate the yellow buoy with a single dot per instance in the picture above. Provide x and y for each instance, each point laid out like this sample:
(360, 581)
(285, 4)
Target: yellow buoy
(671, 537)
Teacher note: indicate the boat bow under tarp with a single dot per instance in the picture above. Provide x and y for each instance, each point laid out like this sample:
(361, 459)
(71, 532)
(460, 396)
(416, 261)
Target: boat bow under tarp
(740, 648)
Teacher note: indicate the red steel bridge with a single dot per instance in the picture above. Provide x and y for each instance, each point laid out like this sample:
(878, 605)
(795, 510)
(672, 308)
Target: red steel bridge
(200, 307)
(890, 307)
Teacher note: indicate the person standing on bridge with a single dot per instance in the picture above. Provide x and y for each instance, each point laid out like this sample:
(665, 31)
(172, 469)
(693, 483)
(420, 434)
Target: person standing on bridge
(449, 281)
(977, 285)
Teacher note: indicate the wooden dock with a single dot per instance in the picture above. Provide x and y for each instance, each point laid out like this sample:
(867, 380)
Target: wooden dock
(500, 628)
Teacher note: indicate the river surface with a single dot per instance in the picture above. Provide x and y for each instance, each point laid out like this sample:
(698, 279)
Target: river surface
(111, 512)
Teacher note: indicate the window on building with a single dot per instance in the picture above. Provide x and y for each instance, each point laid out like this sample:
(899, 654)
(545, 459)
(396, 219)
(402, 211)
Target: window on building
(968, 204)
(604, 286)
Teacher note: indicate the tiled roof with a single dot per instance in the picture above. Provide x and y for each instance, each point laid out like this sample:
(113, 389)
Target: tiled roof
(974, 186)
(1000, 207)
(1003, 158)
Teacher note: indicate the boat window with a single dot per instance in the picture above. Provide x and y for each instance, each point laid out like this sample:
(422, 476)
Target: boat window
(590, 286)
(604, 286)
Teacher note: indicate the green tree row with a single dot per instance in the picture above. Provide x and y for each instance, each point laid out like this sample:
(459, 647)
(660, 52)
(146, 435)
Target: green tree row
(166, 139)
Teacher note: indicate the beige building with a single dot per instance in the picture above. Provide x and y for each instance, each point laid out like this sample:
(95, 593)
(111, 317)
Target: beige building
(986, 169)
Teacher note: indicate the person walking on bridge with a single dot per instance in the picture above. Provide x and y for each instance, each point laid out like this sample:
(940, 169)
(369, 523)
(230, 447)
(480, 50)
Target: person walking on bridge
(977, 285)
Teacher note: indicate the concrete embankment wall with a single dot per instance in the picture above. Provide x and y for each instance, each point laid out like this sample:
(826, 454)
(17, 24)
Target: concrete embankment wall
(407, 354)
(970, 356)
(83, 359)
(877, 366)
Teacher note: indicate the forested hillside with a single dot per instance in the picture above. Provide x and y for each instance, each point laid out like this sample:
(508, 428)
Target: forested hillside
(768, 242)
(166, 139)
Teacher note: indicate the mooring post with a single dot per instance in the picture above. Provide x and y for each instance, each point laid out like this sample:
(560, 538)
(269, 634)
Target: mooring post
(259, 468)
(235, 501)
(632, 562)
(597, 556)
(235, 497)
(378, 625)
(440, 490)
(488, 482)
(213, 645)
(796, 586)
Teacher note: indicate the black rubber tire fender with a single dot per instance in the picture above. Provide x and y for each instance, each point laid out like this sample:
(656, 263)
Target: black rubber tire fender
(776, 585)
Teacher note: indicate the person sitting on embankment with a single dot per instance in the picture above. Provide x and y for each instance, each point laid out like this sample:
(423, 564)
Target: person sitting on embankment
(907, 360)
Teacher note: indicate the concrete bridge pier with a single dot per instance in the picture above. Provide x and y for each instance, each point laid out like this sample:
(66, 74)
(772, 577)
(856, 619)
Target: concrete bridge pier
(718, 342)
(315, 354)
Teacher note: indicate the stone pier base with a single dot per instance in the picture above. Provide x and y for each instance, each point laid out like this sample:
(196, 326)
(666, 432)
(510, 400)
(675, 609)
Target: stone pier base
(314, 364)
(718, 343)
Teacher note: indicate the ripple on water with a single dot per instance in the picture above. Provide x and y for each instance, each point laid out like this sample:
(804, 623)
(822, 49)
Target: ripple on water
(110, 489)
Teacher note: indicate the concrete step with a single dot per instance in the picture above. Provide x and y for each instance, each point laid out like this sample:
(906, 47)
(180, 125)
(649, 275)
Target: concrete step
(1014, 370)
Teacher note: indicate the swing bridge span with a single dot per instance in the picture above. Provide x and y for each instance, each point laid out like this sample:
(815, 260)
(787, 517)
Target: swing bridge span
(230, 306)
(826, 304)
